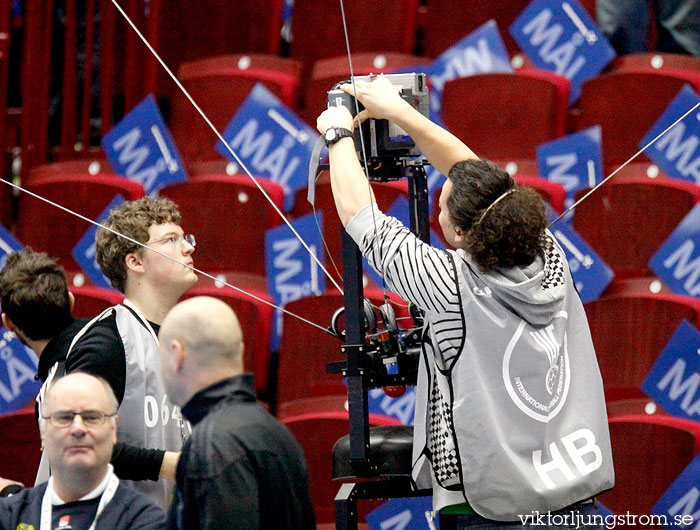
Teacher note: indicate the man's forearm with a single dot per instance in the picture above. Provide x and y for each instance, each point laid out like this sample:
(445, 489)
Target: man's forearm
(351, 189)
(439, 146)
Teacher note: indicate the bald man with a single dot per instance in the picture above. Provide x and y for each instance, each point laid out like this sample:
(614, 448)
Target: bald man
(78, 427)
(241, 468)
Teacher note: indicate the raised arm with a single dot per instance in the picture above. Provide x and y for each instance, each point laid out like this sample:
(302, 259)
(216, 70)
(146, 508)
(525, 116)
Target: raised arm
(382, 101)
(351, 189)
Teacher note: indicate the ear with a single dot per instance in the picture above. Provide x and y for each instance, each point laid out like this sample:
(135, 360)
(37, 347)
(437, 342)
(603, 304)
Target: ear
(460, 235)
(134, 262)
(71, 301)
(178, 355)
(8, 323)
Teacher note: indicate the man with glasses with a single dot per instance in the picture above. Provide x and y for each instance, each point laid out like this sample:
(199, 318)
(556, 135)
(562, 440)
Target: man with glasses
(121, 344)
(78, 427)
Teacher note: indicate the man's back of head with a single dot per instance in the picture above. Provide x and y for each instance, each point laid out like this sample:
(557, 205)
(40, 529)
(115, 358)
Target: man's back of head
(201, 342)
(34, 295)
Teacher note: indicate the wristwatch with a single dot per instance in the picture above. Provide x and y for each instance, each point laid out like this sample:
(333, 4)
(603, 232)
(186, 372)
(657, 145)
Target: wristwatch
(333, 134)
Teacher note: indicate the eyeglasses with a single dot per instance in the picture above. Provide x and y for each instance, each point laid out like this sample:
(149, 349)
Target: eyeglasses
(91, 418)
(176, 239)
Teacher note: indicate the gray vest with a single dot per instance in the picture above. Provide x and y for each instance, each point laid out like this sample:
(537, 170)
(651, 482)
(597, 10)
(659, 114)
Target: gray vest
(515, 421)
(147, 418)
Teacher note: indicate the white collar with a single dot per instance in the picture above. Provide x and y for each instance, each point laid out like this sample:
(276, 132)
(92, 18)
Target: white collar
(57, 501)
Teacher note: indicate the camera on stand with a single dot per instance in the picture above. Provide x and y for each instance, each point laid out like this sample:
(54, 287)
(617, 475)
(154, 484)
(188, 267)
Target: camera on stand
(386, 147)
(378, 354)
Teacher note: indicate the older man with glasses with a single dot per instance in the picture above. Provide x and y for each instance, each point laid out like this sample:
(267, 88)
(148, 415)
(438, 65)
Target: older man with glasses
(78, 427)
(121, 344)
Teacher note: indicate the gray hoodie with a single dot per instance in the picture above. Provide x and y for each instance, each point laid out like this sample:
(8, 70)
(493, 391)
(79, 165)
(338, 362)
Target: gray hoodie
(510, 412)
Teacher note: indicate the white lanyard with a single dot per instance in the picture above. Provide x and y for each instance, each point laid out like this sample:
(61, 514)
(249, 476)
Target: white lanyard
(46, 506)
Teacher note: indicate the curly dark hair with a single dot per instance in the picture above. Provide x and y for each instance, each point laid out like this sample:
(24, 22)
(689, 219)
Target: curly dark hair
(132, 219)
(34, 294)
(510, 233)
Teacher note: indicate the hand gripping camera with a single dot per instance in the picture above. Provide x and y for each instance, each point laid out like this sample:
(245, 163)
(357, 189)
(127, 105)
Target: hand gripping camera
(385, 143)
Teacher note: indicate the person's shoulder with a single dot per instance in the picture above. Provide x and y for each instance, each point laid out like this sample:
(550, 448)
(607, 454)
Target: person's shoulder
(137, 510)
(23, 496)
(102, 333)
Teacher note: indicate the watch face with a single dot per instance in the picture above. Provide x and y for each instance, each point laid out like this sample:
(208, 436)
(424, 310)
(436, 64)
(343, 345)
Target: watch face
(330, 135)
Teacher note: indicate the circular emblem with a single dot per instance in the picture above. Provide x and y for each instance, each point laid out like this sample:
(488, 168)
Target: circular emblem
(536, 371)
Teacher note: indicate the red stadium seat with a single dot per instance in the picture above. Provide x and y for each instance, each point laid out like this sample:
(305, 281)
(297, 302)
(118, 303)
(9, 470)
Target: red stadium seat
(46, 228)
(625, 407)
(636, 169)
(627, 221)
(256, 319)
(303, 345)
(90, 301)
(219, 85)
(317, 432)
(328, 72)
(551, 192)
(448, 21)
(385, 193)
(81, 166)
(632, 286)
(648, 453)
(654, 62)
(607, 99)
(506, 116)
(6, 205)
(216, 28)
(629, 333)
(20, 446)
(525, 166)
(317, 28)
(229, 216)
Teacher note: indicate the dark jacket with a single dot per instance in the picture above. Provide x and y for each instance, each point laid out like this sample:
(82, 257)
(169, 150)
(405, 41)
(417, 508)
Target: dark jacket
(241, 468)
(128, 509)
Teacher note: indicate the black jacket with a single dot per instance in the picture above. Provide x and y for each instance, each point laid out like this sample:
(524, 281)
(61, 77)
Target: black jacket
(241, 468)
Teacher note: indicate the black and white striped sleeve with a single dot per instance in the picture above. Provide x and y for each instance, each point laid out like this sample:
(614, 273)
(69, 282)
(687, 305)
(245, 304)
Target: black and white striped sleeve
(414, 270)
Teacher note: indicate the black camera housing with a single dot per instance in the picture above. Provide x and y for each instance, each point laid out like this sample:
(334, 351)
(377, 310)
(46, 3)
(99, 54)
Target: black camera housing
(386, 145)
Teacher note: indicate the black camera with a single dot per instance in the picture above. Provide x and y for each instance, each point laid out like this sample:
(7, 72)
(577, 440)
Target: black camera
(385, 143)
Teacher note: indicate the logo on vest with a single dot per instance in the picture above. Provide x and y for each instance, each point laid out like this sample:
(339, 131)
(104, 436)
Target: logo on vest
(536, 371)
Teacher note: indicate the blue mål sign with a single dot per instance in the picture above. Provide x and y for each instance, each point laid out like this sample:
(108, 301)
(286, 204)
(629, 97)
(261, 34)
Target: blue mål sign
(677, 152)
(271, 141)
(673, 380)
(84, 251)
(141, 148)
(17, 369)
(677, 262)
(680, 504)
(591, 274)
(560, 36)
(8, 245)
(574, 161)
(291, 272)
(410, 513)
(480, 52)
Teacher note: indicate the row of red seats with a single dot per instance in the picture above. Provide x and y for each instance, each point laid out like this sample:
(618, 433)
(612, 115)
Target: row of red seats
(401, 26)
(618, 232)
(501, 116)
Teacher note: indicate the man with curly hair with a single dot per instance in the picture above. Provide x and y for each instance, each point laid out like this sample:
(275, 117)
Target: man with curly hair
(510, 415)
(121, 344)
